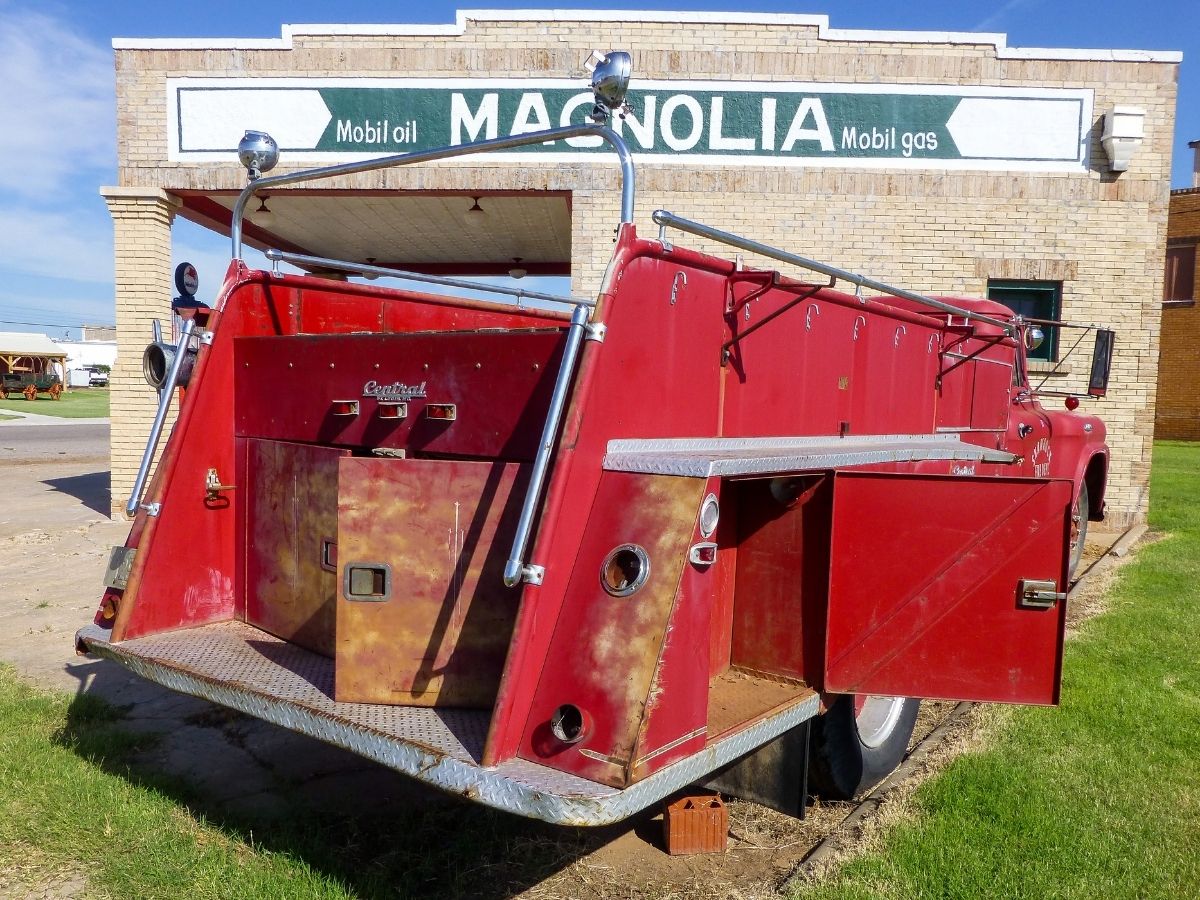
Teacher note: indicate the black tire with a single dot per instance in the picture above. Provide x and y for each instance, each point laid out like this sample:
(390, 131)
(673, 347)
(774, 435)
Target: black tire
(1079, 516)
(841, 765)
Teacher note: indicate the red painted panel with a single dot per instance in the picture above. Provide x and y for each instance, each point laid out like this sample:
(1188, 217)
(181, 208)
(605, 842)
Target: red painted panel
(325, 312)
(500, 383)
(651, 377)
(808, 360)
(782, 576)
(923, 587)
(606, 649)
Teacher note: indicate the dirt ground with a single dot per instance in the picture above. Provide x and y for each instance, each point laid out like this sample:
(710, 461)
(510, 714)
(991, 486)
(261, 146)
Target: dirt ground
(55, 535)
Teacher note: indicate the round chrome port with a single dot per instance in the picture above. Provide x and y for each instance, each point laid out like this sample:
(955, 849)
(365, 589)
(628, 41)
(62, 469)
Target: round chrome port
(624, 570)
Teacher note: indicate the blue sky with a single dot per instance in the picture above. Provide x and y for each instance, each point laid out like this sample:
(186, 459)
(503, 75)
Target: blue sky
(58, 139)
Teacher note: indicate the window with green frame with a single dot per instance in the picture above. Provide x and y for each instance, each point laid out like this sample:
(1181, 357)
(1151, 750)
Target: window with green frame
(1033, 300)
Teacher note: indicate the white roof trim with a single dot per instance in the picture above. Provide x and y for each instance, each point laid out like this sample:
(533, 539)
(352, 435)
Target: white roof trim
(22, 343)
(824, 32)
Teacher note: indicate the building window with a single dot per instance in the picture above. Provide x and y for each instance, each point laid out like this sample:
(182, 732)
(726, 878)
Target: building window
(1180, 281)
(1033, 300)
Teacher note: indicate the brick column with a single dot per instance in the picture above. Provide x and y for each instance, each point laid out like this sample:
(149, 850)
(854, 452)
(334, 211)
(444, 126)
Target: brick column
(142, 219)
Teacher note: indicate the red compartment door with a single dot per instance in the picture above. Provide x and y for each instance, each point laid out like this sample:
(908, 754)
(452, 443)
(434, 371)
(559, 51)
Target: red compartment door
(924, 587)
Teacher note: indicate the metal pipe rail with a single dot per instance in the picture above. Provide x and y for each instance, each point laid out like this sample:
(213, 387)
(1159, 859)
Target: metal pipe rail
(515, 570)
(593, 129)
(665, 219)
(383, 271)
(164, 403)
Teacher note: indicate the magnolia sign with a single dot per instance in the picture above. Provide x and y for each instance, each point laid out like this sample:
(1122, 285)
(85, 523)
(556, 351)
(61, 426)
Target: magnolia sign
(752, 123)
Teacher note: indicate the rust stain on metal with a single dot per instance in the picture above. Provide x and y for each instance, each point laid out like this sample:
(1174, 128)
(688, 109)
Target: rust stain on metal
(442, 528)
(293, 505)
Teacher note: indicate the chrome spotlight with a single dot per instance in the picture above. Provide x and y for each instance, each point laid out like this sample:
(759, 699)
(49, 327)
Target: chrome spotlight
(610, 81)
(1034, 337)
(258, 152)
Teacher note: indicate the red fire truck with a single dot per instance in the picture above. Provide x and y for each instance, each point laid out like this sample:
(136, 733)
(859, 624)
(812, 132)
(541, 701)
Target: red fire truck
(566, 563)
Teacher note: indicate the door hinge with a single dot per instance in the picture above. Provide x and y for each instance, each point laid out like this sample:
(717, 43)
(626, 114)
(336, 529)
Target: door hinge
(1033, 594)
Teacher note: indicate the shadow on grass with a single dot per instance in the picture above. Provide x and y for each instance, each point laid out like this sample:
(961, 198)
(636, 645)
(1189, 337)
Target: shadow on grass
(92, 490)
(374, 831)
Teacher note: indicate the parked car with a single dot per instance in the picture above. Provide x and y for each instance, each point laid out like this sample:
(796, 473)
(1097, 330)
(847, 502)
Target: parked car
(98, 378)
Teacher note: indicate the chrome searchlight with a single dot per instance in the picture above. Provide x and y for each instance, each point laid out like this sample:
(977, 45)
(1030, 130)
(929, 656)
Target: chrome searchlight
(610, 81)
(258, 152)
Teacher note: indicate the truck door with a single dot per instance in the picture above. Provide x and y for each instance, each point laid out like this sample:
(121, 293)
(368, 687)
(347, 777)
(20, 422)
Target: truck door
(948, 588)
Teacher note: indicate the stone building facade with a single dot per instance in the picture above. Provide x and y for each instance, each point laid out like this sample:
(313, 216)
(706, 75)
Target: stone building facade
(952, 226)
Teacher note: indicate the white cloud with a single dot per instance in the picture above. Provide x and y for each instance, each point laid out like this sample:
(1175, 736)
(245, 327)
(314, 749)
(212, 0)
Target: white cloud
(996, 19)
(60, 109)
(69, 245)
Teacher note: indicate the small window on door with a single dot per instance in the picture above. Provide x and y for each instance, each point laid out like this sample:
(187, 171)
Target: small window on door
(1033, 300)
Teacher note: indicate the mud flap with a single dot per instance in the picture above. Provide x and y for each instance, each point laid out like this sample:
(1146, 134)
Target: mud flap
(931, 590)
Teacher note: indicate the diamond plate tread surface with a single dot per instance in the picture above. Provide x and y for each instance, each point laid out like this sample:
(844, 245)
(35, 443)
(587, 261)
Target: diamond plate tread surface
(238, 666)
(705, 457)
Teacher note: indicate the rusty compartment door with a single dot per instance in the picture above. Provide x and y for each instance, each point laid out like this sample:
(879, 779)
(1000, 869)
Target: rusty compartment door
(423, 616)
(924, 595)
(291, 531)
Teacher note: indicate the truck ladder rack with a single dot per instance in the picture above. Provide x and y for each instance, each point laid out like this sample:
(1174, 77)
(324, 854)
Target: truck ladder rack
(664, 219)
(705, 457)
(241, 667)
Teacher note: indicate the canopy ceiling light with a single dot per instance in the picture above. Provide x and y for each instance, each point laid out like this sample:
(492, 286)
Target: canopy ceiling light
(517, 270)
(475, 214)
(263, 216)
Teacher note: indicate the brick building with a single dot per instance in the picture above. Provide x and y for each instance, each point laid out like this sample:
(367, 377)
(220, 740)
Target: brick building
(1177, 415)
(947, 163)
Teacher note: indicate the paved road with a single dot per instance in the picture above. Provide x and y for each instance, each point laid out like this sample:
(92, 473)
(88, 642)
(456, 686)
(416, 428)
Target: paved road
(86, 442)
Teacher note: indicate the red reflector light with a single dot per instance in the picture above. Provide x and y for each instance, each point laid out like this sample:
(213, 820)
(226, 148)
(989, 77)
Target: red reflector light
(344, 407)
(1071, 403)
(447, 412)
(393, 410)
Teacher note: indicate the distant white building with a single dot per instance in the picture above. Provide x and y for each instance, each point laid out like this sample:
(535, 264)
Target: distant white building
(82, 356)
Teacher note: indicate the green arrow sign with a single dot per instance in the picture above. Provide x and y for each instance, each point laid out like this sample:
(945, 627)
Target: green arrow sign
(736, 121)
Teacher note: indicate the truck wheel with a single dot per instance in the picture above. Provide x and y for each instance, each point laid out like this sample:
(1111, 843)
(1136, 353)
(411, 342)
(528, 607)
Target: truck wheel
(857, 742)
(1079, 520)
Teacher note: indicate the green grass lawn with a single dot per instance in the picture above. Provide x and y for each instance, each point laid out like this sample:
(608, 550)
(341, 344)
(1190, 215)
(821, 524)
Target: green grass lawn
(1099, 798)
(81, 403)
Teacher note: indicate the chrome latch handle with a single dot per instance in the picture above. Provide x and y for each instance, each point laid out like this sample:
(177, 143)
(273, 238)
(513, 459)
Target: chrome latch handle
(1033, 594)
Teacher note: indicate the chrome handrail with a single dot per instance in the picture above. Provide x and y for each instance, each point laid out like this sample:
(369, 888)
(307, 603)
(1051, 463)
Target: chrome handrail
(164, 402)
(666, 219)
(385, 272)
(515, 570)
(593, 129)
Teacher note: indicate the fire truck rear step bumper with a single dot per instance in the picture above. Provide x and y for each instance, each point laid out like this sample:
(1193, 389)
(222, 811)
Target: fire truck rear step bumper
(706, 457)
(239, 666)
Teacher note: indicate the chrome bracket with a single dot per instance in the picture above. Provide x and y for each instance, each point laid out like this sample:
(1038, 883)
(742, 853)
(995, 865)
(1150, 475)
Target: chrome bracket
(662, 239)
(531, 574)
(1034, 594)
(595, 331)
(206, 338)
(703, 553)
(152, 509)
